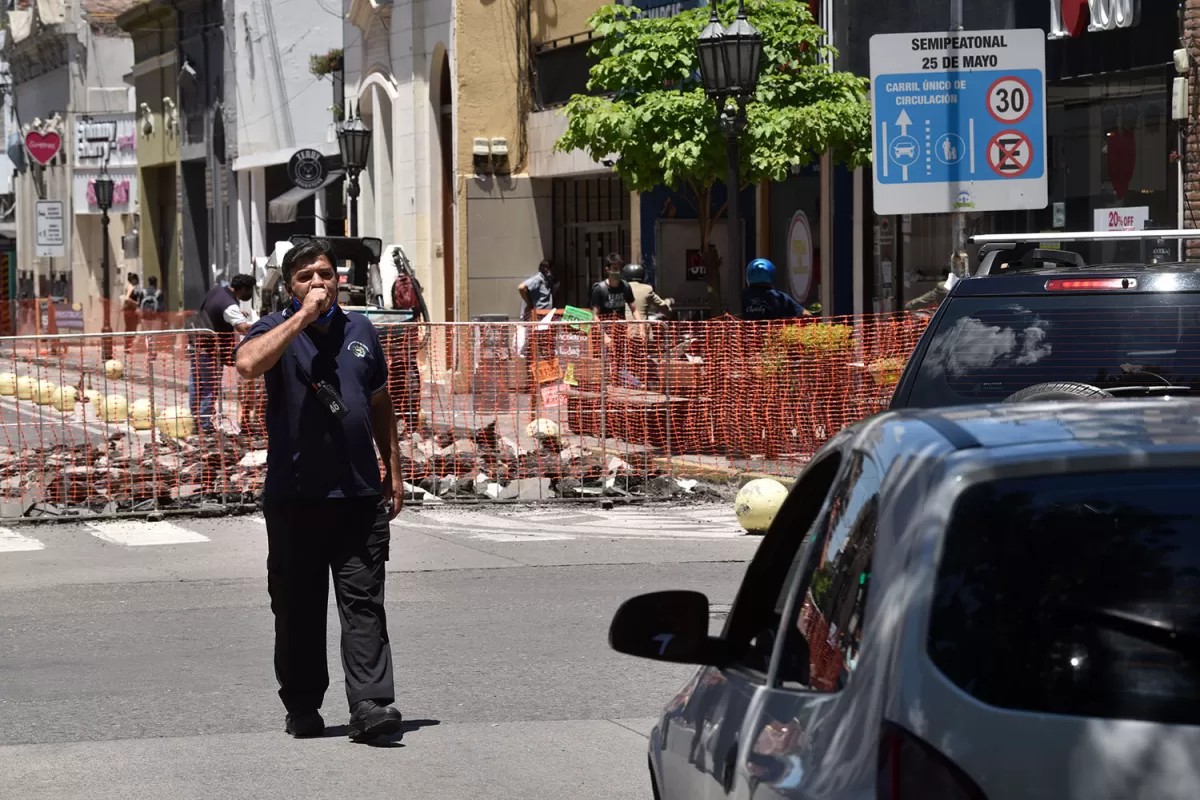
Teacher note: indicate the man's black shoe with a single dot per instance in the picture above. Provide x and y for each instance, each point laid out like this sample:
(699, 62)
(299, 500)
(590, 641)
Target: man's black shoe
(369, 720)
(305, 724)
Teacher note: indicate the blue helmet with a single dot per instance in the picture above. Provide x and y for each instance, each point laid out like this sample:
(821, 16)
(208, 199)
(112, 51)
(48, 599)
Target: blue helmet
(760, 271)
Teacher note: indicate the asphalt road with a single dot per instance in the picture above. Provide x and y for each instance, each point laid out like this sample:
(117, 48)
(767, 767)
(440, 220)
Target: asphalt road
(135, 658)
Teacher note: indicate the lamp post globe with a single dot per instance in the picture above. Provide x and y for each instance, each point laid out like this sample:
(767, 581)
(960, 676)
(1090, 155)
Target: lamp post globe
(354, 142)
(103, 187)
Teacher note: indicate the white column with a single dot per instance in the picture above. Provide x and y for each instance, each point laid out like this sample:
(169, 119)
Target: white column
(319, 210)
(245, 246)
(258, 212)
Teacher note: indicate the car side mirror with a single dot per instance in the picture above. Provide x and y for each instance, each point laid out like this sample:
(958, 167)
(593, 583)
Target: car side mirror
(666, 626)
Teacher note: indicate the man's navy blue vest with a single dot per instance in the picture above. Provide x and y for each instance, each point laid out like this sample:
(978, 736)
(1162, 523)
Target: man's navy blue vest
(215, 302)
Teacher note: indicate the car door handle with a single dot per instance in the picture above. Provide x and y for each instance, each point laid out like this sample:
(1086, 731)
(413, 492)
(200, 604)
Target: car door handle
(729, 767)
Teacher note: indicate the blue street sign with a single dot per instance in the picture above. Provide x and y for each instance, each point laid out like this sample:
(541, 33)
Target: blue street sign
(959, 121)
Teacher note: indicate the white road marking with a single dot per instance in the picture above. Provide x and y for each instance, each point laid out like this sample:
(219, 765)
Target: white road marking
(136, 533)
(520, 537)
(13, 542)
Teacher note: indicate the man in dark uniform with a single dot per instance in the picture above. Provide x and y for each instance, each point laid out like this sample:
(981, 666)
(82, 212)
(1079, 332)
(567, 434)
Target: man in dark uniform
(222, 313)
(762, 300)
(326, 505)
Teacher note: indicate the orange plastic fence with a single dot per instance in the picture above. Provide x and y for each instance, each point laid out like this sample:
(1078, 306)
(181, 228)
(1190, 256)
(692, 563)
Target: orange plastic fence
(524, 411)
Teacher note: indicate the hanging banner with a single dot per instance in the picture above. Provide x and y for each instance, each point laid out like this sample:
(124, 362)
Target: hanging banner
(800, 256)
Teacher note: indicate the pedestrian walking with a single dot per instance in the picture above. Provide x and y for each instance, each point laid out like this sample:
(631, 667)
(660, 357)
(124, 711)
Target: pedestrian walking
(326, 504)
(131, 304)
(537, 294)
(220, 316)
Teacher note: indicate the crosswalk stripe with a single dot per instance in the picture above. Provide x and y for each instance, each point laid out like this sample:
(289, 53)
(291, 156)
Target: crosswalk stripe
(136, 533)
(521, 537)
(13, 542)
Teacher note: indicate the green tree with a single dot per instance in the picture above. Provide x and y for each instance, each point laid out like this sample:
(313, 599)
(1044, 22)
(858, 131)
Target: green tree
(649, 113)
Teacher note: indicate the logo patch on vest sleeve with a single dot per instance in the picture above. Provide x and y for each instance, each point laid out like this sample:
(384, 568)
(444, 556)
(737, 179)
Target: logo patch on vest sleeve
(358, 349)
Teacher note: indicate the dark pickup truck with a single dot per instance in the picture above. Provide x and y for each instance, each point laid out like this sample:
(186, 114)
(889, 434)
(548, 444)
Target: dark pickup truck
(1043, 324)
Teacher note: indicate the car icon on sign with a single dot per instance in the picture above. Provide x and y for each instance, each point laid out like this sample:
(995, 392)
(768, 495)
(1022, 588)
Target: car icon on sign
(903, 150)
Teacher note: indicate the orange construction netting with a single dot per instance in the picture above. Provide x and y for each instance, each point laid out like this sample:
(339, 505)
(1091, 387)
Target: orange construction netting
(486, 411)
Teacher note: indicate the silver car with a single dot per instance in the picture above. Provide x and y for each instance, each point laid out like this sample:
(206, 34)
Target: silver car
(1001, 601)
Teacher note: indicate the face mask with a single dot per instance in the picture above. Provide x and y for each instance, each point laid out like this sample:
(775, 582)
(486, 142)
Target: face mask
(321, 320)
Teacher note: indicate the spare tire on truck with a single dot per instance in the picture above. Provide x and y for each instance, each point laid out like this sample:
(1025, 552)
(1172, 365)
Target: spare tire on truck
(1061, 390)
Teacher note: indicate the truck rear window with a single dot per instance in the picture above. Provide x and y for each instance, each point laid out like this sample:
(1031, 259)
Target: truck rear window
(985, 349)
(1075, 595)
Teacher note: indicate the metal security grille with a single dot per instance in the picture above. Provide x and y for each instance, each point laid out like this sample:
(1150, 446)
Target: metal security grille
(591, 219)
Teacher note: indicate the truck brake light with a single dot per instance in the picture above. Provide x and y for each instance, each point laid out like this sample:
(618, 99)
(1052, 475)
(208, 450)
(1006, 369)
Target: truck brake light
(1077, 285)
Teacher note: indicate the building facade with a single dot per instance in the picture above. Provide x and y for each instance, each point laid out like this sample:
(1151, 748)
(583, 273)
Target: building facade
(537, 203)
(282, 108)
(400, 77)
(74, 113)
(154, 76)
(1113, 149)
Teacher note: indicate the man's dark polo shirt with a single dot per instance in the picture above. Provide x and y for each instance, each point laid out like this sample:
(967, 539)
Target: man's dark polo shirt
(311, 453)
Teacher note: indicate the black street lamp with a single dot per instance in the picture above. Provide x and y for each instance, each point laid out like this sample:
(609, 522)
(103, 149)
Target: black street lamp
(729, 71)
(354, 140)
(104, 199)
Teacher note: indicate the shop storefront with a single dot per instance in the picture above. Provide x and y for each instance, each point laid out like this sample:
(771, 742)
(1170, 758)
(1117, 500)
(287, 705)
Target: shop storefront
(1112, 146)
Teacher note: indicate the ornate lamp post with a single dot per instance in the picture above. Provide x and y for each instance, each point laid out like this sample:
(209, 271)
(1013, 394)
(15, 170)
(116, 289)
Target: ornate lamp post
(729, 60)
(104, 199)
(354, 140)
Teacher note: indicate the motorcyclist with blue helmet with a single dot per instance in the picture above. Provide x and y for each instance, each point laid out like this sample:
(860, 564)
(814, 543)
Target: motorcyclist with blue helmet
(761, 300)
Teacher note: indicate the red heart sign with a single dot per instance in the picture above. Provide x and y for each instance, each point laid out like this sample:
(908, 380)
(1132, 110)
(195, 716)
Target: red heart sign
(1074, 16)
(1121, 157)
(42, 146)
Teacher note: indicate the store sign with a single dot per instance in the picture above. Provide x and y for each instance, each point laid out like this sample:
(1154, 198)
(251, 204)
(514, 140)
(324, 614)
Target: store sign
(800, 256)
(124, 192)
(106, 136)
(697, 270)
(42, 147)
(1069, 18)
(1133, 218)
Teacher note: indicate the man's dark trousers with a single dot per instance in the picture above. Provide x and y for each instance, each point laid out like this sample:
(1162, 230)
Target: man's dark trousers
(307, 539)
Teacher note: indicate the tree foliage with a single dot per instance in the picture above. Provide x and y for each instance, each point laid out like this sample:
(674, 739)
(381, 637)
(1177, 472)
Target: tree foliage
(648, 110)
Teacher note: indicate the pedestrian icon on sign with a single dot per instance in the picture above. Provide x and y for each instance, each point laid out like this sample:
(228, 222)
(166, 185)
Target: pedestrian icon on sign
(950, 148)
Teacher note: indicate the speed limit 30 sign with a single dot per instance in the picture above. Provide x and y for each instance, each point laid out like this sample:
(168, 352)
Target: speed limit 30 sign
(959, 121)
(1009, 99)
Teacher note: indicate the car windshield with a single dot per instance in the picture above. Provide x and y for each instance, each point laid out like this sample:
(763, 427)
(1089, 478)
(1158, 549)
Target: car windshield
(1075, 594)
(985, 349)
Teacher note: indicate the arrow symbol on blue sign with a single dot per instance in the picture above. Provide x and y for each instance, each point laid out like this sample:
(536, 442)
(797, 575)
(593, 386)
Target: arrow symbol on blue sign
(902, 122)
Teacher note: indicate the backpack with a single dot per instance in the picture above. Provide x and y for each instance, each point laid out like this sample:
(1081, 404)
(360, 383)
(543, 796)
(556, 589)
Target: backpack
(152, 300)
(404, 293)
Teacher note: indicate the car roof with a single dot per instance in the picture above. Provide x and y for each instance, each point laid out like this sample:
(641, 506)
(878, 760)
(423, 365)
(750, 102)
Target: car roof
(1149, 423)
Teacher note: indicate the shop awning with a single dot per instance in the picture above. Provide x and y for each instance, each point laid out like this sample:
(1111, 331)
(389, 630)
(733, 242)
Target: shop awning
(283, 208)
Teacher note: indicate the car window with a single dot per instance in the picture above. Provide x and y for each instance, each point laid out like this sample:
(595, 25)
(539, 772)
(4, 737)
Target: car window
(755, 618)
(1076, 595)
(832, 593)
(985, 349)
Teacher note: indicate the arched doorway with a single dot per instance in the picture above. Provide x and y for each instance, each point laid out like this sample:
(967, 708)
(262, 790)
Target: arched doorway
(449, 186)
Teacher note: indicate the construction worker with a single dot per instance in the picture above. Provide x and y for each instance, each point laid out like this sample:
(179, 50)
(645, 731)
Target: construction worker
(762, 301)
